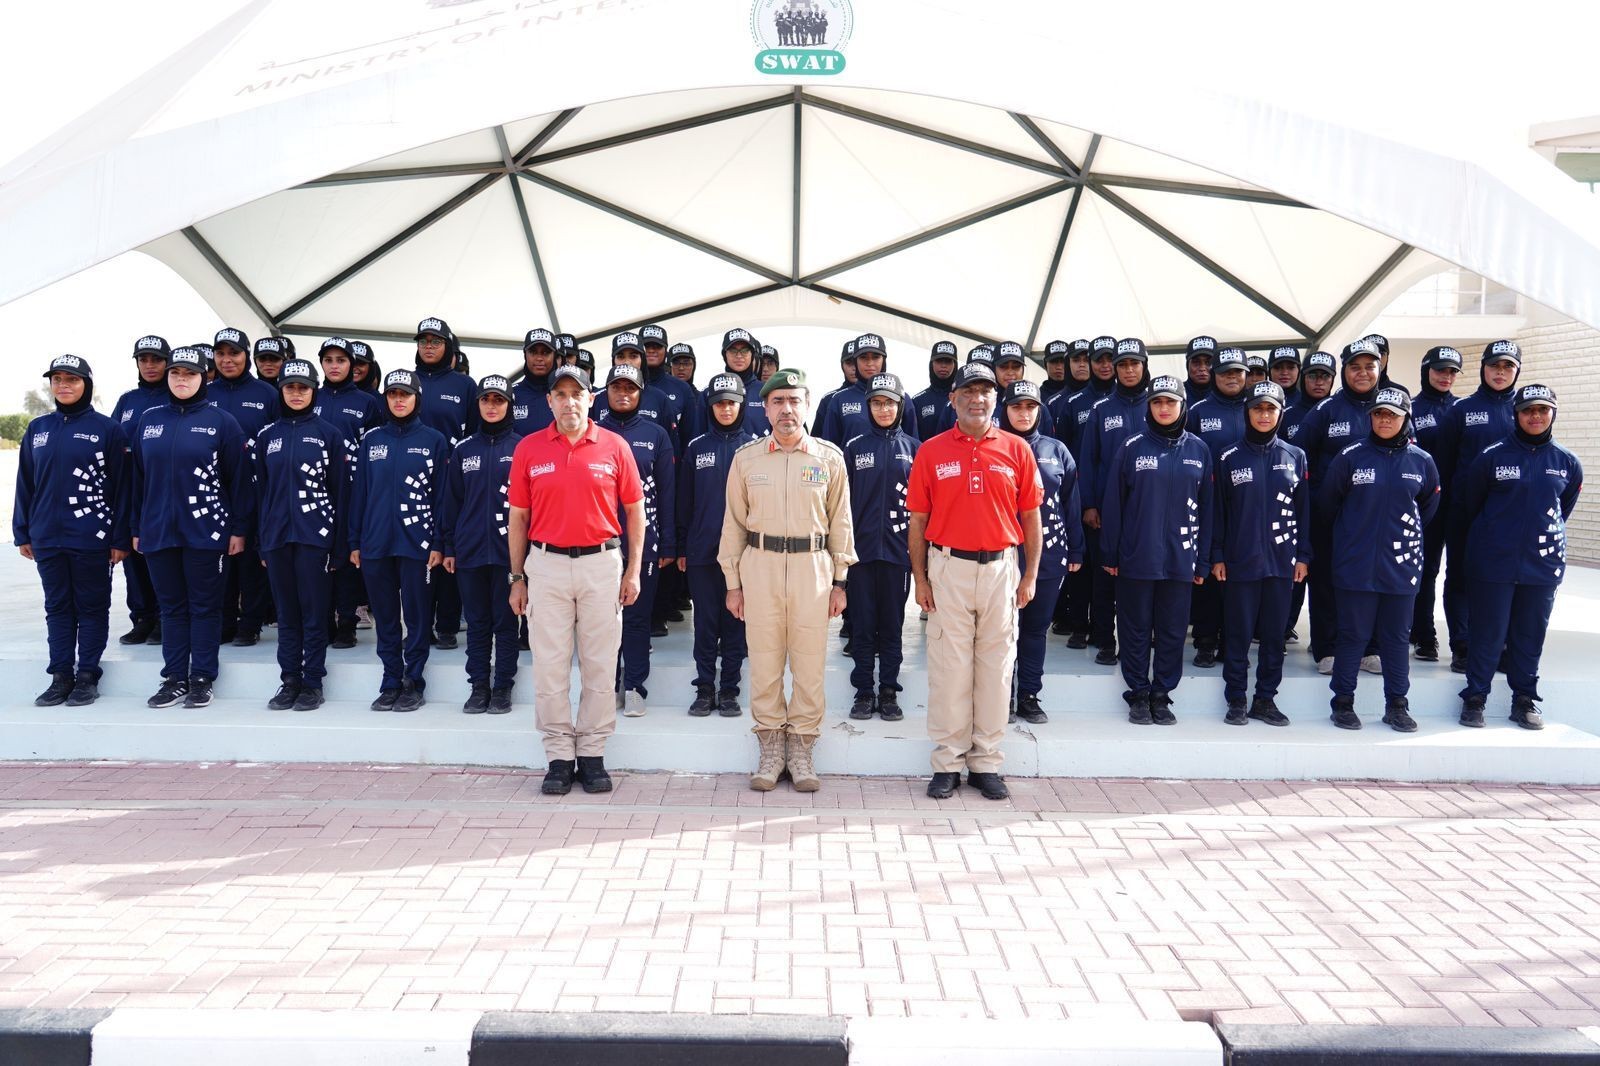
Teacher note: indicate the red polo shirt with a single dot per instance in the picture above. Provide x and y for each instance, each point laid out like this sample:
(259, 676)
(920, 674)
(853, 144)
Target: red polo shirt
(973, 490)
(573, 491)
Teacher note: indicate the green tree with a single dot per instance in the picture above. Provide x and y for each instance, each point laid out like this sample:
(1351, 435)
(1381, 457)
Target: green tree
(38, 402)
(13, 426)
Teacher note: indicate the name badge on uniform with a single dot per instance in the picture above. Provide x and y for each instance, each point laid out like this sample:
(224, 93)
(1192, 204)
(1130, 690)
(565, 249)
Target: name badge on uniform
(975, 482)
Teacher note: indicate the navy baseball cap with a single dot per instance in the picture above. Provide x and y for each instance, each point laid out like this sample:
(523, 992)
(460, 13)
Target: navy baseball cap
(1132, 348)
(496, 384)
(188, 357)
(680, 351)
(1103, 345)
(152, 345)
(653, 334)
(269, 348)
(1531, 395)
(1201, 345)
(726, 387)
(1284, 353)
(575, 373)
(1056, 351)
(360, 352)
(1393, 399)
(975, 372)
(1357, 349)
(539, 336)
(1227, 359)
(1010, 352)
(1503, 349)
(626, 342)
(1266, 392)
(1167, 385)
(334, 342)
(886, 385)
(433, 327)
(404, 380)
(1319, 361)
(1442, 357)
(231, 336)
(71, 364)
(297, 370)
(738, 336)
(624, 372)
(944, 350)
(1018, 391)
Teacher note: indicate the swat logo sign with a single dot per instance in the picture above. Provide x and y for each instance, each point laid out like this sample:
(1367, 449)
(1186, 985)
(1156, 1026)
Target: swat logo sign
(804, 38)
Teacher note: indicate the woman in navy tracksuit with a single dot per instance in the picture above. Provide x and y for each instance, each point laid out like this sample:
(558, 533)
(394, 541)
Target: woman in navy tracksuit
(352, 410)
(475, 517)
(394, 536)
(878, 463)
(1516, 498)
(1155, 539)
(70, 518)
(1259, 552)
(302, 490)
(1061, 522)
(192, 503)
(702, 493)
(1376, 497)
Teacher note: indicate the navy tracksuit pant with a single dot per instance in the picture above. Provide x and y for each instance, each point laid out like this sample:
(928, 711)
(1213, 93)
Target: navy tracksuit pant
(400, 587)
(1151, 616)
(348, 592)
(491, 626)
(1033, 627)
(446, 613)
(633, 656)
(188, 584)
(245, 591)
(1324, 597)
(1457, 604)
(877, 595)
(1206, 613)
(716, 632)
(1510, 617)
(1254, 610)
(1297, 603)
(77, 607)
(1072, 606)
(141, 594)
(1423, 626)
(298, 574)
(1367, 618)
(1103, 596)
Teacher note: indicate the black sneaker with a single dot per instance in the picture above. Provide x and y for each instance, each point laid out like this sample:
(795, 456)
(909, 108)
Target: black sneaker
(411, 697)
(846, 651)
(1077, 640)
(60, 688)
(1525, 713)
(889, 705)
(84, 691)
(1472, 711)
(139, 633)
(1029, 711)
(864, 705)
(1397, 715)
(1236, 714)
(1263, 709)
(309, 699)
(154, 639)
(591, 774)
(500, 699)
(1060, 629)
(199, 693)
(558, 778)
(993, 786)
(658, 629)
(1161, 709)
(1138, 707)
(284, 698)
(386, 699)
(1458, 660)
(941, 786)
(1291, 637)
(1107, 655)
(246, 640)
(170, 694)
(478, 702)
(672, 614)
(344, 636)
(1427, 651)
(445, 641)
(703, 702)
(1344, 712)
(1205, 658)
(728, 704)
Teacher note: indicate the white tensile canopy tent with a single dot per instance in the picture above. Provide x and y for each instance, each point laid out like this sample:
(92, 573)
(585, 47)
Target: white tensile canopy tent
(315, 169)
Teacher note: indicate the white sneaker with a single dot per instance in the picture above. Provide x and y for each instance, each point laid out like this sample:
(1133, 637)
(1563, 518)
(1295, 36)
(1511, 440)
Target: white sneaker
(363, 618)
(1372, 664)
(632, 704)
(1325, 665)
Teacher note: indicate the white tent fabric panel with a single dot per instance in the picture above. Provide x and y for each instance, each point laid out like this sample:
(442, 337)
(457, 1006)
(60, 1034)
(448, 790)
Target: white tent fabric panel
(440, 272)
(476, 147)
(1130, 160)
(285, 245)
(598, 121)
(970, 122)
(726, 183)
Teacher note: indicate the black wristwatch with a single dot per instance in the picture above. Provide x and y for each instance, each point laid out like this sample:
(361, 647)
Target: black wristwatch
(839, 584)
(512, 579)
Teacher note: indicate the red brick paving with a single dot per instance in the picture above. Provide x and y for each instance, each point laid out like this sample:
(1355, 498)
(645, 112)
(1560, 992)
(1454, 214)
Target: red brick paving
(431, 888)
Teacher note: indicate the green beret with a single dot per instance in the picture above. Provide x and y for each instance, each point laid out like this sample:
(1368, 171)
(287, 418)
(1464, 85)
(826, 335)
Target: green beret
(784, 379)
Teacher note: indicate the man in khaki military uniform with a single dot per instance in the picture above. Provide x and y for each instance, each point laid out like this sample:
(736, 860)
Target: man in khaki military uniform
(787, 544)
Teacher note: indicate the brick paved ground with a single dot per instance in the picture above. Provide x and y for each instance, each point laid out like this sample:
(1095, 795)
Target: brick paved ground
(415, 887)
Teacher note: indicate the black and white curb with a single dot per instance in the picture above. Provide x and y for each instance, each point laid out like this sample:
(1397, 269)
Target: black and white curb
(155, 1037)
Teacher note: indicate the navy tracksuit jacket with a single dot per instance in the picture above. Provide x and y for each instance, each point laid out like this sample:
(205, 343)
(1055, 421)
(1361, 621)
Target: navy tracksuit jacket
(654, 406)
(1155, 528)
(878, 463)
(1113, 418)
(1515, 499)
(755, 409)
(653, 454)
(846, 414)
(349, 409)
(449, 404)
(71, 507)
(1219, 421)
(394, 514)
(130, 407)
(246, 596)
(686, 412)
(702, 497)
(1471, 425)
(530, 404)
(1328, 428)
(302, 495)
(1376, 498)
(1262, 528)
(1061, 526)
(931, 402)
(475, 517)
(1429, 410)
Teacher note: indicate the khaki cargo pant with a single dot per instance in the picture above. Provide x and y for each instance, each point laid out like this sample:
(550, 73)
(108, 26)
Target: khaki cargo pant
(574, 601)
(786, 621)
(972, 646)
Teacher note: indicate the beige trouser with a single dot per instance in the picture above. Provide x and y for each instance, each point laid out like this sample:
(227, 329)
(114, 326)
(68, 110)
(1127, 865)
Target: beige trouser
(574, 599)
(786, 620)
(972, 642)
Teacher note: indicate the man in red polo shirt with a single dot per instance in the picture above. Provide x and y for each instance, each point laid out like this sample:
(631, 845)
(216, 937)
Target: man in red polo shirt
(569, 483)
(974, 497)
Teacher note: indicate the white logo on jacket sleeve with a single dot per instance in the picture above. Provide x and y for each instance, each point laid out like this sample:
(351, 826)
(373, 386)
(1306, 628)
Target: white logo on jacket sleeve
(947, 470)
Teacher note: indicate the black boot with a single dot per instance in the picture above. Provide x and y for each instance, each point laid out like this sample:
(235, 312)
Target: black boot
(1205, 658)
(60, 688)
(558, 778)
(245, 639)
(478, 702)
(1472, 711)
(445, 641)
(1344, 712)
(1397, 715)
(287, 693)
(1161, 708)
(309, 699)
(344, 635)
(591, 774)
(864, 705)
(1138, 707)
(1077, 640)
(139, 633)
(500, 699)
(1427, 651)
(1107, 655)
(728, 704)
(1265, 709)
(1029, 711)
(889, 705)
(1525, 713)
(199, 694)
(155, 634)
(1236, 714)
(701, 707)
(386, 700)
(1458, 660)
(84, 691)
(411, 697)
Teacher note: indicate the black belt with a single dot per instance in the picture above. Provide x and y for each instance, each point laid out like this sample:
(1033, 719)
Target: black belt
(976, 557)
(574, 553)
(814, 543)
